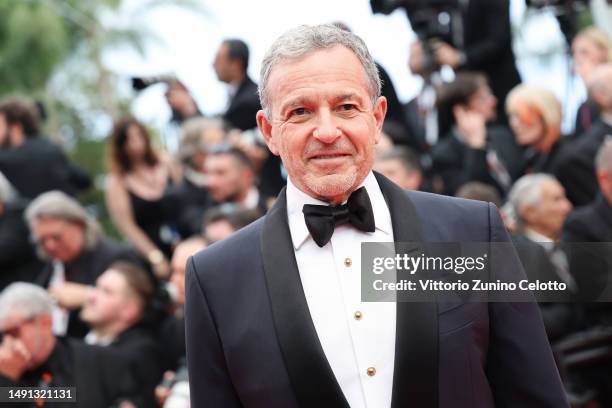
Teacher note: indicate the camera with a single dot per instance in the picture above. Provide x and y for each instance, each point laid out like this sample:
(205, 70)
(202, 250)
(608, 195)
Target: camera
(432, 21)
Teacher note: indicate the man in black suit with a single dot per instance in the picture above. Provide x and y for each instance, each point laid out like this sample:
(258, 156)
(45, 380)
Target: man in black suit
(231, 63)
(593, 222)
(30, 162)
(31, 356)
(274, 315)
(475, 149)
(115, 310)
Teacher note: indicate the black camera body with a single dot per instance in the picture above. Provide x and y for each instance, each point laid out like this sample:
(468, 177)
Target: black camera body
(431, 20)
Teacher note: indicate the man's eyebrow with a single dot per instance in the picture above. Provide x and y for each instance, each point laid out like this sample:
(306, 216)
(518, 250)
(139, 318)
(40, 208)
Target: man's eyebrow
(293, 103)
(346, 97)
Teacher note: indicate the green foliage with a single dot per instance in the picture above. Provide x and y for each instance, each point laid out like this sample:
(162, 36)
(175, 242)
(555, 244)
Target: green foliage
(33, 41)
(52, 50)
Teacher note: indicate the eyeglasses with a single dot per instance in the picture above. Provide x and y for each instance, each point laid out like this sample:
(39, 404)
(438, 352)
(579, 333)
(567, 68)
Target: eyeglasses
(56, 236)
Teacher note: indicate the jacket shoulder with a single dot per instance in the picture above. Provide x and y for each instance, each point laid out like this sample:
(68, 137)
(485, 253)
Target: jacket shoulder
(445, 218)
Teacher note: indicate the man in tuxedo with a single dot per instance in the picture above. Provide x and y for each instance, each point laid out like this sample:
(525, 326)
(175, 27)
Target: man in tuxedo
(274, 316)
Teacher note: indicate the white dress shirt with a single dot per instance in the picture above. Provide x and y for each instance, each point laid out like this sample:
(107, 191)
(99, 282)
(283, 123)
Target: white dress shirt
(358, 338)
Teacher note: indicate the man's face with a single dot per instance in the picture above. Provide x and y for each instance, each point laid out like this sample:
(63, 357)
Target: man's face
(177, 97)
(106, 302)
(526, 133)
(323, 124)
(179, 262)
(34, 333)
(484, 102)
(227, 180)
(549, 214)
(396, 172)
(223, 63)
(61, 240)
(218, 230)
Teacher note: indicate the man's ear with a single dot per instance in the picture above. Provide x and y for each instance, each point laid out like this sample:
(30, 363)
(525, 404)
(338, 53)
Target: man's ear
(380, 111)
(265, 127)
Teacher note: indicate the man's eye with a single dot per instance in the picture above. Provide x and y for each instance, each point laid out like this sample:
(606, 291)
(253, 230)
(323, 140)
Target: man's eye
(346, 107)
(298, 112)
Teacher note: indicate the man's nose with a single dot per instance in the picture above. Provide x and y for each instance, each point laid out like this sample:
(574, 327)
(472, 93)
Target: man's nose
(326, 131)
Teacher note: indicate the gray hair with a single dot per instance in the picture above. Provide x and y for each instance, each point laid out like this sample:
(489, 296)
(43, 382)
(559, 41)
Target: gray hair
(191, 136)
(27, 299)
(55, 204)
(603, 160)
(7, 192)
(304, 39)
(527, 191)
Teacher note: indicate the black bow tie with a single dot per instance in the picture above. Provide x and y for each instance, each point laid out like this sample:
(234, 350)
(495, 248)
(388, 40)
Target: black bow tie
(322, 219)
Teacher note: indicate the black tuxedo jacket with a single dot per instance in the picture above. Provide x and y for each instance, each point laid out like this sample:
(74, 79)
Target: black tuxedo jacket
(244, 106)
(251, 341)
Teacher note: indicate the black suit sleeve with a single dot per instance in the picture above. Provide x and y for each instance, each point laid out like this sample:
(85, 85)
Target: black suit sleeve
(209, 381)
(494, 15)
(520, 364)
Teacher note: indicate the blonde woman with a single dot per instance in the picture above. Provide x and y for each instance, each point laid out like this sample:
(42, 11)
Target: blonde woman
(591, 48)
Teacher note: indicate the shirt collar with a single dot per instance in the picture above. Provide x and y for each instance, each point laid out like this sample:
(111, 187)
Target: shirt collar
(536, 236)
(297, 198)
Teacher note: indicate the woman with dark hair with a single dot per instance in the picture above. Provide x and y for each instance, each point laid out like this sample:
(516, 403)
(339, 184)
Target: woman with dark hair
(138, 177)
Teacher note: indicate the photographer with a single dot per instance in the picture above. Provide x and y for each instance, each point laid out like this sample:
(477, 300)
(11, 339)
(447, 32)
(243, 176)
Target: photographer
(471, 35)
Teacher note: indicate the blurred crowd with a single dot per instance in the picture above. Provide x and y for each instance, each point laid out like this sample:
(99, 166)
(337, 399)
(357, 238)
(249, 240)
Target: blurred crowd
(79, 307)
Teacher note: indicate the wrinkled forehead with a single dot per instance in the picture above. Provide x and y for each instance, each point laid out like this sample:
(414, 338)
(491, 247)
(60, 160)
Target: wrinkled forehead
(318, 68)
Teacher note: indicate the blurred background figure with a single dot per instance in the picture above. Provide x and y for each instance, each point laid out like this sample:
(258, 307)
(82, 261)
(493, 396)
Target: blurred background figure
(18, 260)
(231, 63)
(183, 108)
(115, 310)
(76, 252)
(475, 190)
(174, 390)
(591, 47)
(473, 36)
(231, 179)
(222, 221)
(535, 119)
(540, 206)
(474, 149)
(31, 356)
(137, 179)
(578, 165)
(188, 200)
(402, 166)
(593, 222)
(30, 162)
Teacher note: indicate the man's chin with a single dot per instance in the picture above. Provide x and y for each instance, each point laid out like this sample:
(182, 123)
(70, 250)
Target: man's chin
(331, 186)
